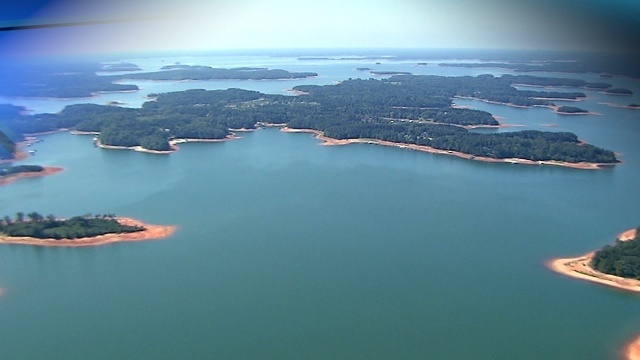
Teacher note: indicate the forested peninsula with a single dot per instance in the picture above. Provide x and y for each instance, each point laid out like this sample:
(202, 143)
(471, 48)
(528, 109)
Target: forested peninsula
(616, 265)
(87, 230)
(403, 109)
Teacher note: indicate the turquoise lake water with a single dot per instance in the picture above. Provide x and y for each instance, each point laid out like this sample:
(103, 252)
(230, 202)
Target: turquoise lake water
(286, 249)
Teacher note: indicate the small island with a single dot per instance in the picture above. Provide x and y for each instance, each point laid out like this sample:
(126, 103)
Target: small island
(570, 110)
(121, 66)
(87, 230)
(619, 91)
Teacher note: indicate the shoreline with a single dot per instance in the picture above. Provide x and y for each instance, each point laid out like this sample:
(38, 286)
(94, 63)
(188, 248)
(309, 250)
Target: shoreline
(151, 232)
(48, 170)
(332, 142)
(172, 143)
(579, 268)
(632, 350)
(553, 107)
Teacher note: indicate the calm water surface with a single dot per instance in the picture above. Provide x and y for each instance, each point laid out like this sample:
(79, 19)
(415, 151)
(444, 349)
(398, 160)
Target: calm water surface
(291, 250)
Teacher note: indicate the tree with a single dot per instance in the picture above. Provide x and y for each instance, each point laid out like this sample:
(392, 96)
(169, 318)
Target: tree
(35, 216)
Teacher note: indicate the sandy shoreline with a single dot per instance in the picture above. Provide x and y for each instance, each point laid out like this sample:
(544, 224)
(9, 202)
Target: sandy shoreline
(151, 232)
(632, 351)
(48, 170)
(329, 141)
(579, 268)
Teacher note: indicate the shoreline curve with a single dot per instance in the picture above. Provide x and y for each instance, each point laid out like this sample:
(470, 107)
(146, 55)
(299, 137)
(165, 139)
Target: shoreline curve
(151, 232)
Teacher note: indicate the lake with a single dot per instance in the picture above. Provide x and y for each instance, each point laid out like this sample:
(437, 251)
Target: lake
(287, 249)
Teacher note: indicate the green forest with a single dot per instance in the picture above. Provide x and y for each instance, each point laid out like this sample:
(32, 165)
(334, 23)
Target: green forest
(621, 259)
(408, 109)
(38, 226)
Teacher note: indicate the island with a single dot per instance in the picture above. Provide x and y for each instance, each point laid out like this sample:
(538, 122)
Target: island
(121, 66)
(387, 73)
(13, 173)
(87, 230)
(404, 110)
(632, 106)
(570, 110)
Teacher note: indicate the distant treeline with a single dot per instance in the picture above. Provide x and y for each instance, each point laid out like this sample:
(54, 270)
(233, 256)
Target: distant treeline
(621, 259)
(403, 108)
(613, 64)
(199, 72)
(56, 80)
(38, 226)
(72, 80)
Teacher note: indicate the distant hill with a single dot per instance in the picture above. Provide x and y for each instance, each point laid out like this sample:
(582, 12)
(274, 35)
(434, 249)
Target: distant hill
(7, 146)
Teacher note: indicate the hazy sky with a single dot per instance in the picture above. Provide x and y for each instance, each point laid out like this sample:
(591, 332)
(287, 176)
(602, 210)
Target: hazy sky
(251, 24)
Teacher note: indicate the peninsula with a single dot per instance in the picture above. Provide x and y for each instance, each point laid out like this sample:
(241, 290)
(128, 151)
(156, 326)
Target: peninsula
(614, 265)
(13, 173)
(37, 230)
(617, 266)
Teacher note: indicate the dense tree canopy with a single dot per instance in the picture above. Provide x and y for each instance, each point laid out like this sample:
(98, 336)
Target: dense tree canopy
(404, 108)
(621, 259)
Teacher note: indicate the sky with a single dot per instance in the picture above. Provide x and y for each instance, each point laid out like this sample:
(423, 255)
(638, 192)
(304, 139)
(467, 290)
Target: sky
(143, 25)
